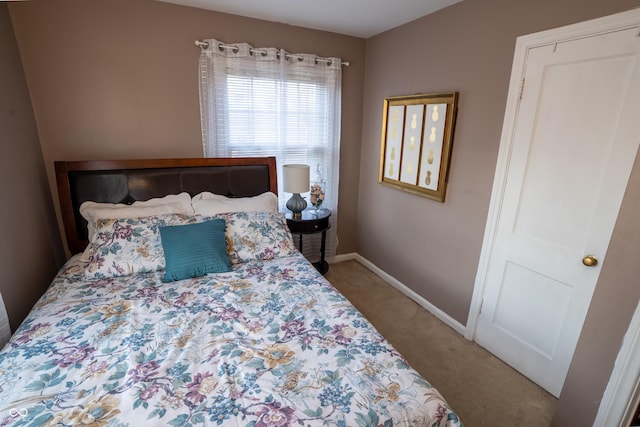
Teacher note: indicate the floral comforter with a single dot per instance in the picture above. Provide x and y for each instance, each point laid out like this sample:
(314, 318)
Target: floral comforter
(268, 344)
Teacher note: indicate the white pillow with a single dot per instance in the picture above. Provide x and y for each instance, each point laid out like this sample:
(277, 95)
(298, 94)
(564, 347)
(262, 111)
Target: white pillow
(171, 204)
(212, 204)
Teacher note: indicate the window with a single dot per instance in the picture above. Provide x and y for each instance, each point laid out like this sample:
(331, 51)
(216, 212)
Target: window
(252, 114)
(266, 102)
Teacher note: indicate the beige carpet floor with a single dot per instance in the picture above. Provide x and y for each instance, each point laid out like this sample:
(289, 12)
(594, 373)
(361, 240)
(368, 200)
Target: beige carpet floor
(483, 390)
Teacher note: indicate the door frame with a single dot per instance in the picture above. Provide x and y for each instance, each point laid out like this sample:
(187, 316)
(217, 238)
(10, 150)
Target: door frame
(622, 395)
(594, 27)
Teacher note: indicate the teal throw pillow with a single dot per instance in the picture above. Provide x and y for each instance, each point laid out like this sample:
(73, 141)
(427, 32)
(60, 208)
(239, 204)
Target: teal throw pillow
(194, 250)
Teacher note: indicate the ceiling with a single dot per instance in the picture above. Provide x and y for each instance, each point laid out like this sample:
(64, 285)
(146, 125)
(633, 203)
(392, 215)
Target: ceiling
(358, 18)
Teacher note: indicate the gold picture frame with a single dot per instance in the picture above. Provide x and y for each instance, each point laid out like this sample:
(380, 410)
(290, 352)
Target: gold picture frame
(417, 136)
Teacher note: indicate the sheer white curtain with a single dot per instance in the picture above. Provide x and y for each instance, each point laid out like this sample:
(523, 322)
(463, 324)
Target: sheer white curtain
(268, 102)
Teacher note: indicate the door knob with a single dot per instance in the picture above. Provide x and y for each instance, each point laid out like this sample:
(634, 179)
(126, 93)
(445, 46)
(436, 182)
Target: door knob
(590, 261)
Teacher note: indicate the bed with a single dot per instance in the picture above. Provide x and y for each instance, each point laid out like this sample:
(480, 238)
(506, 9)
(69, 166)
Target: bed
(260, 339)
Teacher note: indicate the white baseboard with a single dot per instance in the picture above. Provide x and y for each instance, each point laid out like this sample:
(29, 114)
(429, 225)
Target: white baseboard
(439, 314)
(342, 257)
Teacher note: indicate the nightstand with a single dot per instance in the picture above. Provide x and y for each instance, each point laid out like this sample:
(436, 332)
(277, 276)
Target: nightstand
(312, 222)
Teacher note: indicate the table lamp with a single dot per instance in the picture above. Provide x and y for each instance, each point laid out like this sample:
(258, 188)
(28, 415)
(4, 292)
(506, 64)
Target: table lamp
(296, 181)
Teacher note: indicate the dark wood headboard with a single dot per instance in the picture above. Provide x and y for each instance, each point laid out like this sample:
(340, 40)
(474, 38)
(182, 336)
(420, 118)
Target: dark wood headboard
(126, 181)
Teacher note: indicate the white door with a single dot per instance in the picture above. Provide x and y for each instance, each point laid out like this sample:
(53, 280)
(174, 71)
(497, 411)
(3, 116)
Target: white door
(567, 155)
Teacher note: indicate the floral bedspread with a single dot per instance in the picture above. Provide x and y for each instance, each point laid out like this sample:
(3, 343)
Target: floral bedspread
(268, 344)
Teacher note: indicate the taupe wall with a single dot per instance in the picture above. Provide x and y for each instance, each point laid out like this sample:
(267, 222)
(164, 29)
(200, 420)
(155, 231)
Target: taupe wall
(119, 79)
(30, 247)
(434, 248)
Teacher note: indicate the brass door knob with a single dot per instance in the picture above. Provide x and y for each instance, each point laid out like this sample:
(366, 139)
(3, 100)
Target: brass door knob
(590, 261)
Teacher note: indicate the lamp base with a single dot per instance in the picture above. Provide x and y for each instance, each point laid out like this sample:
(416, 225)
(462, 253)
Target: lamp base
(296, 204)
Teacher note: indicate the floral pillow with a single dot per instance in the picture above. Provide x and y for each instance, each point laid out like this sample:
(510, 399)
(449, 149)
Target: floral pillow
(255, 236)
(121, 247)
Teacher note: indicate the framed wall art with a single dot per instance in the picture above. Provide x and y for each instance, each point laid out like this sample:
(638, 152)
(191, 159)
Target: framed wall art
(417, 135)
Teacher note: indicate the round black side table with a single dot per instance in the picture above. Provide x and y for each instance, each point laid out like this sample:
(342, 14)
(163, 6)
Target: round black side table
(311, 222)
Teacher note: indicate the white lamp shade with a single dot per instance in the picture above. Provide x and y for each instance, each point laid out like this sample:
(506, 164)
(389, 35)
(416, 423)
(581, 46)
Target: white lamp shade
(296, 178)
